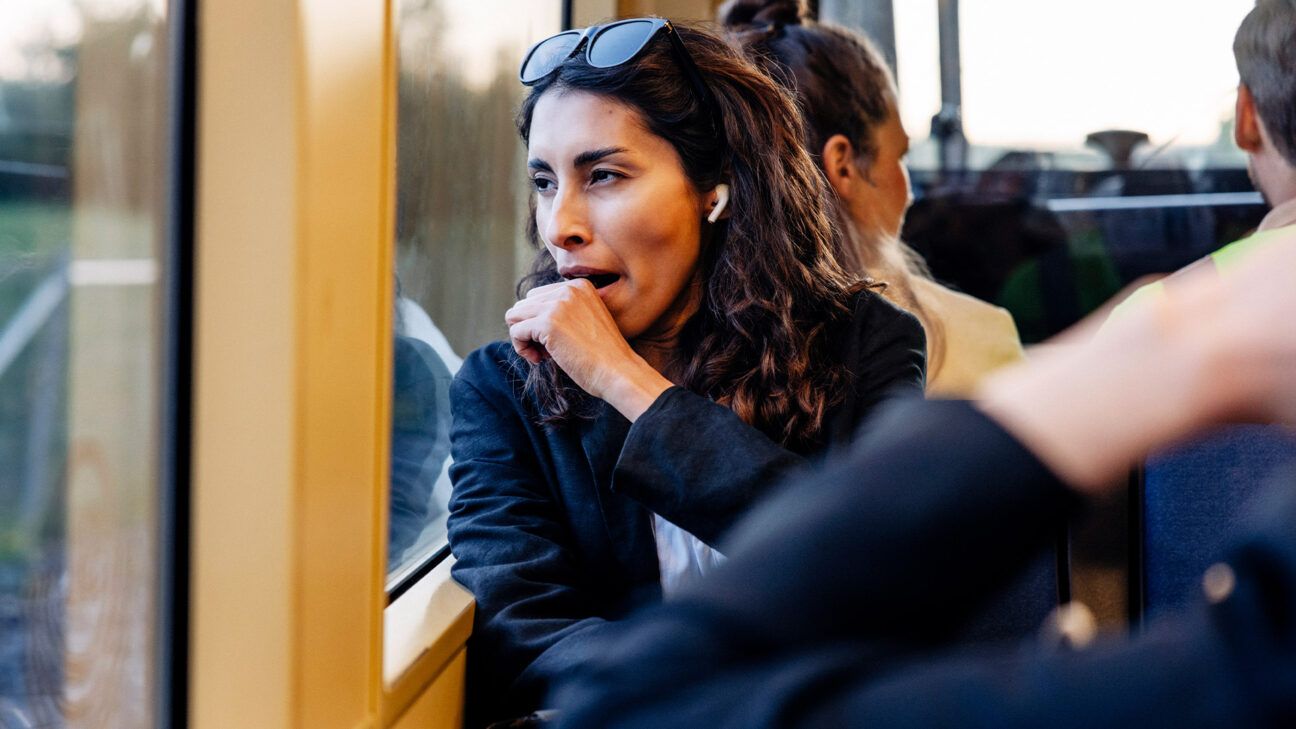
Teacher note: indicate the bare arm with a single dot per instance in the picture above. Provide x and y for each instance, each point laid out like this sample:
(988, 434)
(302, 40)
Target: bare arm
(1212, 349)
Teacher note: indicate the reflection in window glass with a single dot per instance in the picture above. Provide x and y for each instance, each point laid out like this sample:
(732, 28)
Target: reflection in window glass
(461, 205)
(82, 129)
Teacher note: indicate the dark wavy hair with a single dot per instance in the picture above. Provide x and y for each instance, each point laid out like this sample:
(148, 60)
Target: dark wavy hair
(773, 292)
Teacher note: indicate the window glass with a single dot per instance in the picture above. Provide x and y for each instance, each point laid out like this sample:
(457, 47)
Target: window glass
(1043, 76)
(460, 249)
(82, 153)
(1099, 149)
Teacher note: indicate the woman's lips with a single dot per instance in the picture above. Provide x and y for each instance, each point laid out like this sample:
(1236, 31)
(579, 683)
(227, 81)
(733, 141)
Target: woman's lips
(600, 279)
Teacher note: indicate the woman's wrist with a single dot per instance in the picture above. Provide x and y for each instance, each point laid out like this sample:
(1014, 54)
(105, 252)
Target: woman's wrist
(634, 390)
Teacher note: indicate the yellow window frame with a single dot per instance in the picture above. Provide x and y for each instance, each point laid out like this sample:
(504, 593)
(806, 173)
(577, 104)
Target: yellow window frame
(292, 381)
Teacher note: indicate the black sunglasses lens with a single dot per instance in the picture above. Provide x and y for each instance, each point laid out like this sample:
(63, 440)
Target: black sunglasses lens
(619, 43)
(548, 55)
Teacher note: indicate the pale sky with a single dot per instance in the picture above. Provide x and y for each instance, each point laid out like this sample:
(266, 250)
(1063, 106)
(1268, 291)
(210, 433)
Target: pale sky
(1040, 73)
(1044, 73)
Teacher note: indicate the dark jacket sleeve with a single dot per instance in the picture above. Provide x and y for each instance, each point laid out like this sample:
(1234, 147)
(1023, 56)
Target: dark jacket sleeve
(701, 467)
(817, 620)
(513, 551)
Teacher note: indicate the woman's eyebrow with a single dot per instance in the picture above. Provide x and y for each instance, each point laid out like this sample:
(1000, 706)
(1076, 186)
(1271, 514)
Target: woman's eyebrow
(539, 165)
(594, 155)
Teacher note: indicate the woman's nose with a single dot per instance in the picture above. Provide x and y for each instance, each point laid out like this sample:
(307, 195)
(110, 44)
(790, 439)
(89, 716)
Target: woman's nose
(568, 224)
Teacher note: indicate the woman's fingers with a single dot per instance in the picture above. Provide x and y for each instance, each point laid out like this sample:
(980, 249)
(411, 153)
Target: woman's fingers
(527, 337)
(542, 298)
(536, 301)
(569, 323)
(540, 290)
(521, 311)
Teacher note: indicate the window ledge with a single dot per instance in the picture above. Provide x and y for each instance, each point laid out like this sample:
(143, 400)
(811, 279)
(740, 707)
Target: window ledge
(423, 630)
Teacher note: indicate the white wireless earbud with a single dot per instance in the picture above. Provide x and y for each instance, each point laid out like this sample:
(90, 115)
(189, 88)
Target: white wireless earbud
(722, 199)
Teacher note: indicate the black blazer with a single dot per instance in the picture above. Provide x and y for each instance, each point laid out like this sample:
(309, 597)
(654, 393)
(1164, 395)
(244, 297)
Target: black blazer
(551, 527)
(823, 615)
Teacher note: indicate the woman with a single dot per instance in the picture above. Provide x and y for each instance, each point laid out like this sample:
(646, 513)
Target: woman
(690, 336)
(848, 97)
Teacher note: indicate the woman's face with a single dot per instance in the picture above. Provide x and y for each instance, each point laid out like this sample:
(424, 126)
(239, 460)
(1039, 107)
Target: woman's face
(884, 209)
(613, 204)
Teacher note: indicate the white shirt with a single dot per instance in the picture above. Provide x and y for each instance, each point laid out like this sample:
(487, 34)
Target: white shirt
(681, 556)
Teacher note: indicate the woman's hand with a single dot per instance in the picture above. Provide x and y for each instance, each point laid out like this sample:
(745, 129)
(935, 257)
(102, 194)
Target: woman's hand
(568, 323)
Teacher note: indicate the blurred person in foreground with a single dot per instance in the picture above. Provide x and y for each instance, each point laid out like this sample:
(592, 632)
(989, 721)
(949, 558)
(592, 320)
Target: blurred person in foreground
(831, 611)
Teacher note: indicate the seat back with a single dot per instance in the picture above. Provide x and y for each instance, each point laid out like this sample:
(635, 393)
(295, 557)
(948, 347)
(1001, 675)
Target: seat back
(1190, 497)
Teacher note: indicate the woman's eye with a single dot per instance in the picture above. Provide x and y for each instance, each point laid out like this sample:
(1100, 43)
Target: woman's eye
(542, 184)
(603, 175)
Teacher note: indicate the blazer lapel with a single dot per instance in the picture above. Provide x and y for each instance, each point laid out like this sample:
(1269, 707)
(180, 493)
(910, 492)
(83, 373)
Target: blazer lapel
(628, 523)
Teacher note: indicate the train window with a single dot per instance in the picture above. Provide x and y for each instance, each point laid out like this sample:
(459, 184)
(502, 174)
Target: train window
(1041, 77)
(460, 250)
(83, 160)
(1095, 149)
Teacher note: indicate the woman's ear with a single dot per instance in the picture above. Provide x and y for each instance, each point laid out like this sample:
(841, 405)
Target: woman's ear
(838, 160)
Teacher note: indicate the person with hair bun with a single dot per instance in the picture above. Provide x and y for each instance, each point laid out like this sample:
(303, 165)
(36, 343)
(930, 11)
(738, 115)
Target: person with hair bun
(687, 336)
(848, 98)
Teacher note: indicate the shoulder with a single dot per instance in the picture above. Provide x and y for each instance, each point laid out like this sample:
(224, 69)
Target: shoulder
(1221, 260)
(885, 345)
(872, 308)
(874, 316)
(967, 313)
(1228, 256)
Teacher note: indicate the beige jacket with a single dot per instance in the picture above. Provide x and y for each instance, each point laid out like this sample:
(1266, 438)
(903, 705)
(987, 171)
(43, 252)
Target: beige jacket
(979, 338)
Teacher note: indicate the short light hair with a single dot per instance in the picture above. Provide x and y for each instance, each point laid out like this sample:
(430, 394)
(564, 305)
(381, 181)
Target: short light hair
(1265, 49)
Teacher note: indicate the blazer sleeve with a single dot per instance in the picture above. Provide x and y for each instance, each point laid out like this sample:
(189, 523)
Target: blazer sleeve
(930, 489)
(818, 618)
(699, 466)
(513, 552)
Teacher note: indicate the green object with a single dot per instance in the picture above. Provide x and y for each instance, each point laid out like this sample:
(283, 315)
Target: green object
(1233, 253)
(1225, 259)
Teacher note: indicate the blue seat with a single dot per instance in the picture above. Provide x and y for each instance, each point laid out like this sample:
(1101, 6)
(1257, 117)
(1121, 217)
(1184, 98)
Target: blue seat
(1191, 496)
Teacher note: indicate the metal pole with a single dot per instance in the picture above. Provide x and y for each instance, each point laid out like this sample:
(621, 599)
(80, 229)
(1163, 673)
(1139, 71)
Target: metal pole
(874, 17)
(947, 125)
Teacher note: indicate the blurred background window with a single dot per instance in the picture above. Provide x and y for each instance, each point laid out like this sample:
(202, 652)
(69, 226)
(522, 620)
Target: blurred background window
(1089, 146)
(460, 219)
(84, 130)
(1042, 76)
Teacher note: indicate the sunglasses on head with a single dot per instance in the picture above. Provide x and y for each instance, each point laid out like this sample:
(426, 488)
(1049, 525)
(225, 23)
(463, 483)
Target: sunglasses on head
(611, 45)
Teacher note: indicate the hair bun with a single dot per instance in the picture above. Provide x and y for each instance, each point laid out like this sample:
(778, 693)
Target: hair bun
(737, 13)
